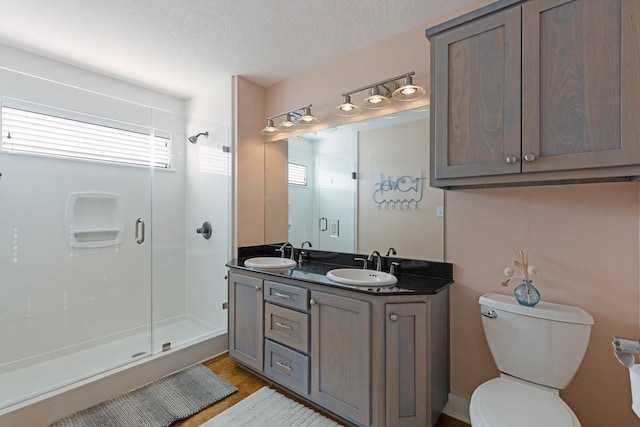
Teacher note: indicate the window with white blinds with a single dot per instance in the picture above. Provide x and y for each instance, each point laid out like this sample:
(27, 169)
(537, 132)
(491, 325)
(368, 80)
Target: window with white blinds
(297, 174)
(46, 131)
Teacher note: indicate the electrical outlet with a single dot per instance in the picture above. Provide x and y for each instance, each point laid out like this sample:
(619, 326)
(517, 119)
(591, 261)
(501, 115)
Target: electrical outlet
(440, 211)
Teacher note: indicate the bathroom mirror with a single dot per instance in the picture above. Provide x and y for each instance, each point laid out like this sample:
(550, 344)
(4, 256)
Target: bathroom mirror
(356, 188)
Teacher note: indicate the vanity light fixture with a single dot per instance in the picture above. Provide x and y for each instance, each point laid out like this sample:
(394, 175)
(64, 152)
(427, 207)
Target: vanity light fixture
(292, 119)
(270, 129)
(287, 124)
(381, 93)
(307, 118)
(408, 91)
(347, 108)
(377, 98)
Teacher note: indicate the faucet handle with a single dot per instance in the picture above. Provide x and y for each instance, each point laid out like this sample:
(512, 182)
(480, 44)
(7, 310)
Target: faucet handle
(364, 262)
(395, 266)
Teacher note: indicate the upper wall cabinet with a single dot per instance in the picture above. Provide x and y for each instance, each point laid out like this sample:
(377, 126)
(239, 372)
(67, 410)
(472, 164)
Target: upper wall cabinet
(542, 91)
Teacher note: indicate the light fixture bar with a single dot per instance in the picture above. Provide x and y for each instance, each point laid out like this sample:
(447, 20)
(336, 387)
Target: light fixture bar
(293, 112)
(380, 83)
(380, 94)
(292, 119)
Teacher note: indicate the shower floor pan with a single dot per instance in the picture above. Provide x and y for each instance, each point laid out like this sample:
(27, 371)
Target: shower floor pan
(37, 379)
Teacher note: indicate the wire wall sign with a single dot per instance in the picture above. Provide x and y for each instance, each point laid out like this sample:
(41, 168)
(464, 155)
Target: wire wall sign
(399, 193)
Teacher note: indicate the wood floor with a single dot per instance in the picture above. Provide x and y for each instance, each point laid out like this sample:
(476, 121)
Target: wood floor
(247, 383)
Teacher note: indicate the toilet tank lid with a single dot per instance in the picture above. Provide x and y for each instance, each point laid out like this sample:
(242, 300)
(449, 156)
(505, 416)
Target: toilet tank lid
(542, 310)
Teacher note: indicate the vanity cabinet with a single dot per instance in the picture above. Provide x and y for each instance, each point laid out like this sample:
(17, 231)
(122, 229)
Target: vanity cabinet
(537, 91)
(372, 359)
(406, 333)
(341, 355)
(246, 319)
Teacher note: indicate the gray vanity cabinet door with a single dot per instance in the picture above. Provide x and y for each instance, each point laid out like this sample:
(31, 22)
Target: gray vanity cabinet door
(341, 355)
(406, 364)
(246, 317)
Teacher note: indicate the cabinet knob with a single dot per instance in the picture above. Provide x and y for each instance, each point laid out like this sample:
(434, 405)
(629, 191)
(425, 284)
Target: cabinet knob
(394, 317)
(312, 302)
(257, 288)
(529, 157)
(511, 159)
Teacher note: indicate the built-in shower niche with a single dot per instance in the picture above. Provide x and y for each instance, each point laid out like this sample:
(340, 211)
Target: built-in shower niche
(94, 220)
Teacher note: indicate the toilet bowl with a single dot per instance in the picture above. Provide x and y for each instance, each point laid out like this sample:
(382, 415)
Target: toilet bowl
(537, 350)
(506, 402)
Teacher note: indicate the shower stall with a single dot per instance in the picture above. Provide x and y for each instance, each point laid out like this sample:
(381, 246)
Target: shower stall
(114, 232)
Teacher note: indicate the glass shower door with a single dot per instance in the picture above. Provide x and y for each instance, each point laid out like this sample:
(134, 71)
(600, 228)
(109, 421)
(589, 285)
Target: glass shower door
(75, 253)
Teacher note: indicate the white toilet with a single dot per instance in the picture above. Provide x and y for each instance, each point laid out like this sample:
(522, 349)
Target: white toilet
(538, 351)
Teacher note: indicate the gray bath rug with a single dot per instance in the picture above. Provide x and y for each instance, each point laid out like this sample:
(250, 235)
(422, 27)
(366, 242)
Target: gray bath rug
(157, 404)
(268, 408)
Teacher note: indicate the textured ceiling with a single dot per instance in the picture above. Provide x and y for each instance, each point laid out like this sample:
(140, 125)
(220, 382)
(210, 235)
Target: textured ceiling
(177, 46)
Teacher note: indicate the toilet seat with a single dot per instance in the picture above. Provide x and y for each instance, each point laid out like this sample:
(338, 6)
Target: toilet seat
(502, 402)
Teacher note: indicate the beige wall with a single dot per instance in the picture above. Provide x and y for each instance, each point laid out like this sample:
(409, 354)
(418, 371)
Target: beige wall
(584, 238)
(249, 179)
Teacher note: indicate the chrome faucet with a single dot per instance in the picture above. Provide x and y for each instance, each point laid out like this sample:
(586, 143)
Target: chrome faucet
(392, 251)
(378, 259)
(394, 268)
(302, 253)
(364, 262)
(284, 247)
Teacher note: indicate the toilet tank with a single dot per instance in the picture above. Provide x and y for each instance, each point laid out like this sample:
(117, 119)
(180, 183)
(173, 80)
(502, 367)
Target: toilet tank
(544, 344)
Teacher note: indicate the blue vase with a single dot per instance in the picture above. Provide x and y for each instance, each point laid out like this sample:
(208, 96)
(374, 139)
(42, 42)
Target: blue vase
(526, 294)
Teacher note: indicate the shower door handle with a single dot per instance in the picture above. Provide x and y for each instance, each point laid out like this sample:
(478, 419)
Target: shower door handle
(139, 231)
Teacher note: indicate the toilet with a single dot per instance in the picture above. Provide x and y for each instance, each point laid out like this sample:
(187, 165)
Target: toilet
(538, 351)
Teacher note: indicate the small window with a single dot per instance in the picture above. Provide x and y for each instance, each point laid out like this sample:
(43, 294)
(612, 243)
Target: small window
(297, 174)
(46, 131)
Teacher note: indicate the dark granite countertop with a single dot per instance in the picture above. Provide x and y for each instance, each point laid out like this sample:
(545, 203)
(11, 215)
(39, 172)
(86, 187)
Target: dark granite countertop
(417, 277)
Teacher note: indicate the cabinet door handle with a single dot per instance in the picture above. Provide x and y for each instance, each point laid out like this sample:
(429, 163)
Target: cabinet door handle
(394, 317)
(257, 288)
(312, 302)
(511, 159)
(278, 294)
(283, 326)
(282, 365)
(529, 157)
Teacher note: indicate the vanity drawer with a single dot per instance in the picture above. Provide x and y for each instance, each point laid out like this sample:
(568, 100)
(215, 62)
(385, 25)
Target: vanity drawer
(287, 326)
(287, 295)
(287, 366)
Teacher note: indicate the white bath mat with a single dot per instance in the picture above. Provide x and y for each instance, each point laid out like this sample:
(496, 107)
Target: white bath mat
(268, 408)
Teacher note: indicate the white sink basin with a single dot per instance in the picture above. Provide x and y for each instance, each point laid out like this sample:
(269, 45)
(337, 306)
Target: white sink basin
(270, 263)
(360, 277)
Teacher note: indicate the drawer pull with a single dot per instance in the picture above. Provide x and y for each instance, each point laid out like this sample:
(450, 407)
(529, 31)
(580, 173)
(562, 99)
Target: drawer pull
(283, 366)
(283, 326)
(278, 294)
